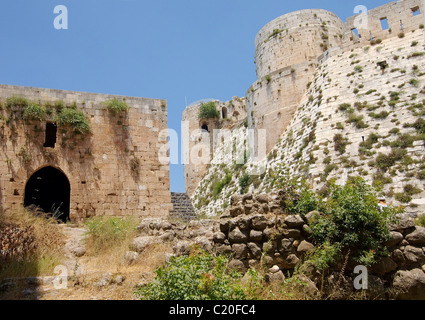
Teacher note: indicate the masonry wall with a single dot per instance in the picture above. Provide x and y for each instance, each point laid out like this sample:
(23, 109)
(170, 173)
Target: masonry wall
(112, 171)
(399, 15)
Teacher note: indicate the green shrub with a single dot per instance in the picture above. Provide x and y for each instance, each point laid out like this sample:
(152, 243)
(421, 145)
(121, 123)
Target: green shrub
(244, 182)
(340, 143)
(353, 224)
(116, 106)
(381, 115)
(106, 233)
(34, 112)
(384, 162)
(403, 197)
(218, 186)
(208, 111)
(199, 276)
(16, 102)
(74, 119)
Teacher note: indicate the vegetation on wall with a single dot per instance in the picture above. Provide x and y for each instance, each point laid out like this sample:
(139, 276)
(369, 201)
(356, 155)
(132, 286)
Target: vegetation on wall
(208, 111)
(116, 106)
(74, 119)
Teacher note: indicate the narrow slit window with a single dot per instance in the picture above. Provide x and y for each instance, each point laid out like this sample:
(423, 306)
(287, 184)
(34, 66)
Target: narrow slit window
(384, 24)
(356, 32)
(416, 11)
(51, 131)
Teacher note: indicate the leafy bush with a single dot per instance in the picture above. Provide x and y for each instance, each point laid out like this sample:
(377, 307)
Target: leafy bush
(218, 186)
(199, 276)
(75, 119)
(16, 102)
(352, 223)
(244, 183)
(106, 233)
(384, 162)
(34, 112)
(340, 143)
(208, 111)
(116, 106)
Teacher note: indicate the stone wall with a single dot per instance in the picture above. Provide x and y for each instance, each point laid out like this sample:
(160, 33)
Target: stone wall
(112, 171)
(256, 233)
(400, 18)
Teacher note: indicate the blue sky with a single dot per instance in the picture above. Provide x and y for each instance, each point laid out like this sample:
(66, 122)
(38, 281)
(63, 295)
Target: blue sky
(167, 49)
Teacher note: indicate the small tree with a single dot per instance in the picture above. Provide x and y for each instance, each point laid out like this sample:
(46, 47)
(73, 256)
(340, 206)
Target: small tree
(353, 224)
(208, 111)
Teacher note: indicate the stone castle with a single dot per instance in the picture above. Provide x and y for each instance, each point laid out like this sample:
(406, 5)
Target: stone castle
(295, 57)
(114, 169)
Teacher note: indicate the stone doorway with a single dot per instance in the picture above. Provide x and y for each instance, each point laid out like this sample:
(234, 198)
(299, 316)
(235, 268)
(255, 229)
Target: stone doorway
(49, 189)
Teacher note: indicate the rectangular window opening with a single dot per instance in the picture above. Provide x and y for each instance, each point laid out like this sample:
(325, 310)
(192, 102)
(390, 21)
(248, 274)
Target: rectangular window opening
(384, 24)
(416, 11)
(51, 131)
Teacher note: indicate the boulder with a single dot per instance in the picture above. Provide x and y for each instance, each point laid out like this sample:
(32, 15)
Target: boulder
(286, 245)
(396, 238)
(182, 248)
(259, 222)
(219, 237)
(255, 250)
(235, 199)
(141, 243)
(305, 247)
(262, 198)
(398, 256)
(274, 269)
(275, 278)
(384, 266)
(256, 236)
(376, 288)
(243, 223)
(291, 261)
(104, 281)
(404, 222)
(294, 221)
(240, 250)
(224, 250)
(237, 236)
(291, 233)
(417, 237)
(409, 285)
(204, 243)
(414, 255)
(237, 211)
(237, 265)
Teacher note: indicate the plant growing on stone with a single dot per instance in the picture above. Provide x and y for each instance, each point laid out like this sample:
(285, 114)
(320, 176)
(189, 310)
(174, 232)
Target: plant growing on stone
(116, 106)
(208, 111)
(76, 120)
(34, 112)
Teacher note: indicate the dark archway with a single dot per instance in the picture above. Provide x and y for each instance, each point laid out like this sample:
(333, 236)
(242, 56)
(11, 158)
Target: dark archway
(224, 113)
(50, 190)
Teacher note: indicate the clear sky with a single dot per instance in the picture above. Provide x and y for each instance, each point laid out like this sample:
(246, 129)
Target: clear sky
(166, 49)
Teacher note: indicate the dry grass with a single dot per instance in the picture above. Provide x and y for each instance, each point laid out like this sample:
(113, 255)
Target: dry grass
(44, 250)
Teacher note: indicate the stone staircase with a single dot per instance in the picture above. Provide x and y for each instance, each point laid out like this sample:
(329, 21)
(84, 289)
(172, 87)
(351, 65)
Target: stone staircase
(182, 207)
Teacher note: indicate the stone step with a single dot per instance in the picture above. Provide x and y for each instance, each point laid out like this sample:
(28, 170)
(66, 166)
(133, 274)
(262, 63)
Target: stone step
(182, 207)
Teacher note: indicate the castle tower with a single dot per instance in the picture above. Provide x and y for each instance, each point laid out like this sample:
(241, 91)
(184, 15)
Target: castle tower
(287, 51)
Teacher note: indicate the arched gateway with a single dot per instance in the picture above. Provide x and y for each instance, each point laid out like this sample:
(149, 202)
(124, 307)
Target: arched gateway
(50, 190)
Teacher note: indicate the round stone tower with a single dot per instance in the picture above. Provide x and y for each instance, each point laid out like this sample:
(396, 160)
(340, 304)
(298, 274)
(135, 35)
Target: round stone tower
(296, 37)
